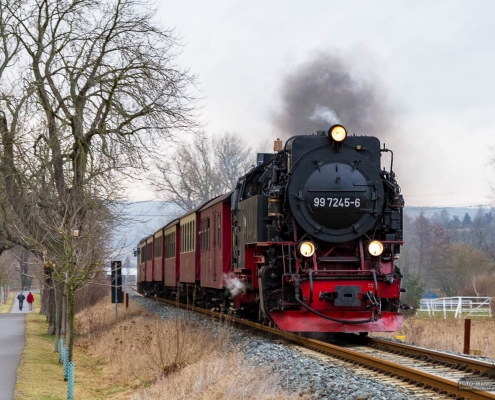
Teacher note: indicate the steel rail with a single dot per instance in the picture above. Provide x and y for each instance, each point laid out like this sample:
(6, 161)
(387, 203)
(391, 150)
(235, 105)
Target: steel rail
(467, 364)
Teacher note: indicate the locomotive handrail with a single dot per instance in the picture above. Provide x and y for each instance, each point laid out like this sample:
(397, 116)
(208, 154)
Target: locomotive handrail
(343, 273)
(338, 259)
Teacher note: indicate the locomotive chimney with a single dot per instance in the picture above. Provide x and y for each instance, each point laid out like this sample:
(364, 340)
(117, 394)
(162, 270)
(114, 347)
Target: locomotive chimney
(277, 145)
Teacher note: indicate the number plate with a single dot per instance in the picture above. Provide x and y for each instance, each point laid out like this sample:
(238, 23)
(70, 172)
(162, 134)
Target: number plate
(337, 202)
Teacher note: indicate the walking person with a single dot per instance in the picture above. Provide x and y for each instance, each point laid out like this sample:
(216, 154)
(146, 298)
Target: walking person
(30, 300)
(21, 298)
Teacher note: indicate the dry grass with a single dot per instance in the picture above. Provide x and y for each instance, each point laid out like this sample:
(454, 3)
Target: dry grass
(145, 357)
(94, 321)
(145, 348)
(220, 377)
(447, 334)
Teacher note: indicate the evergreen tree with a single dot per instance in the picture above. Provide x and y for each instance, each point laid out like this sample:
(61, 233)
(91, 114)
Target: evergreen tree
(414, 291)
(466, 221)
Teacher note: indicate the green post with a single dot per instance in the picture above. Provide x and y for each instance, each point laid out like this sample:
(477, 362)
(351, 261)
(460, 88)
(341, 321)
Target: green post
(60, 357)
(70, 383)
(65, 351)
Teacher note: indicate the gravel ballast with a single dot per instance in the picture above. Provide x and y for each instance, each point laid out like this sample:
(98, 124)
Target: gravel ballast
(300, 373)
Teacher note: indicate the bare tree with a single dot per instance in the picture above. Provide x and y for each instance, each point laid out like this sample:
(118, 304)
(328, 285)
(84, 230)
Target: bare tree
(419, 248)
(233, 158)
(463, 265)
(5, 280)
(203, 170)
(26, 276)
(21, 268)
(427, 251)
(88, 91)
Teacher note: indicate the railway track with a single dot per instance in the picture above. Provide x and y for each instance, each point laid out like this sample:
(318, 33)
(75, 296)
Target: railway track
(436, 374)
(445, 373)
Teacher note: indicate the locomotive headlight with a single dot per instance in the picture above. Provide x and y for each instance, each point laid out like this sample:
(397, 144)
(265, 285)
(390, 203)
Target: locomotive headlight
(307, 249)
(338, 133)
(375, 248)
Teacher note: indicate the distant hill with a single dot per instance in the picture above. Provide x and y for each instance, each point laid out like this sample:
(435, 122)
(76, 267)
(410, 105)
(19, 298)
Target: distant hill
(143, 218)
(429, 212)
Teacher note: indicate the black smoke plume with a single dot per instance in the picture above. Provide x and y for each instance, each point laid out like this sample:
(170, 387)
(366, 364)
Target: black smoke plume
(325, 91)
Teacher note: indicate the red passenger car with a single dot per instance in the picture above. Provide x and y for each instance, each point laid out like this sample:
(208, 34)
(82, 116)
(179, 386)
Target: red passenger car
(172, 249)
(215, 251)
(158, 258)
(189, 254)
(145, 265)
(148, 265)
(215, 242)
(141, 269)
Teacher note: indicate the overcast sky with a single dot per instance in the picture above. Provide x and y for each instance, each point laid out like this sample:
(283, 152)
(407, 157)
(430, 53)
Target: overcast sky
(420, 75)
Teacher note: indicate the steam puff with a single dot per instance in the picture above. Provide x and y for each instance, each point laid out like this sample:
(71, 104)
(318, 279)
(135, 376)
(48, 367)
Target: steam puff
(325, 91)
(234, 284)
(324, 114)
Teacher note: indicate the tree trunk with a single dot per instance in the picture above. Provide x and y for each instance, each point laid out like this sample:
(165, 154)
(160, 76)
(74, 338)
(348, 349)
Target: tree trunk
(70, 321)
(63, 314)
(48, 300)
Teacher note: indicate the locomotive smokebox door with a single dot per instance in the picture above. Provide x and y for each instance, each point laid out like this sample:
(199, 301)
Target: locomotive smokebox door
(347, 296)
(336, 197)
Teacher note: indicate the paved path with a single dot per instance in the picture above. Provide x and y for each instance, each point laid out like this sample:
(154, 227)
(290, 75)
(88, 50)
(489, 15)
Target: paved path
(11, 345)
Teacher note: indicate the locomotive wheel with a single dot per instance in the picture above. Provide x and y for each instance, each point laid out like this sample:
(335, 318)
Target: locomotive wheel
(278, 299)
(271, 277)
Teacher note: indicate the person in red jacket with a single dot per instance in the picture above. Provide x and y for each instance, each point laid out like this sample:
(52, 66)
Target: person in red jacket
(30, 300)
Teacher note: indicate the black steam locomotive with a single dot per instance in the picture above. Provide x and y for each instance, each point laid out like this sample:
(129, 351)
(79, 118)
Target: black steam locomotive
(316, 228)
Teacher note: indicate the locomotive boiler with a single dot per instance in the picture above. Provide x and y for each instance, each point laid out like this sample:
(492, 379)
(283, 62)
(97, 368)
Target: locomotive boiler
(308, 240)
(317, 228)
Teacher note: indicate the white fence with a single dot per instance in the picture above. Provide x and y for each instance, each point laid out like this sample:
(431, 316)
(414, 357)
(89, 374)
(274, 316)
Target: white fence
(457, 307)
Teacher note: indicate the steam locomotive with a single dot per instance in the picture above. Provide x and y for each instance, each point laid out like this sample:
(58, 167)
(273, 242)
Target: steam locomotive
(307, 240)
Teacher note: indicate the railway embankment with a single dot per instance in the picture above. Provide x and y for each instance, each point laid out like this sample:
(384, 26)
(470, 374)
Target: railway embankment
(152, 351)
